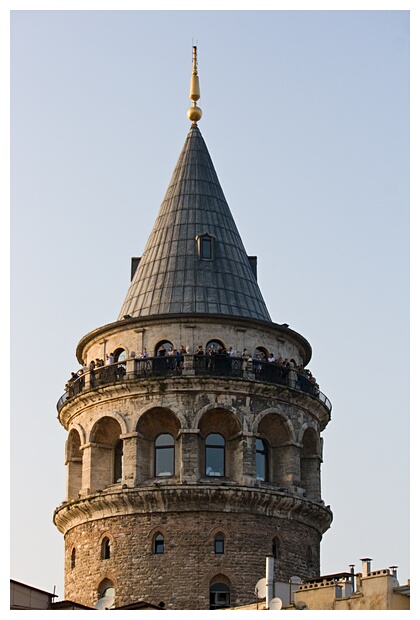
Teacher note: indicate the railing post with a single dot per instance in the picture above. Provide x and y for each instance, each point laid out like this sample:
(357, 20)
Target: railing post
(188, 369)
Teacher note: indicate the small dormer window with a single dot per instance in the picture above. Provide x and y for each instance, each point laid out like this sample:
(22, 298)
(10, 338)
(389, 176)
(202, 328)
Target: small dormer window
(205, 246)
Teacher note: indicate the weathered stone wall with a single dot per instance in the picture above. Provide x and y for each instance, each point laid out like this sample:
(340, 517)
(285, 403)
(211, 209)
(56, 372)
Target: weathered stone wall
(189, 507)
(181, 576)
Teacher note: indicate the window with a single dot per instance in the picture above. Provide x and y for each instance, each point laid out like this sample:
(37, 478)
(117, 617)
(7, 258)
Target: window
(213, 345)
(261, 464)
(162, 348)
(164, 455)
(261, 354)
(219, 596)
(205, 246)
(158, 544)
(105, 549)
(275, 549)
(119, 355)
(73, 558)
(118, 457)
(219, 543)
(215, 455)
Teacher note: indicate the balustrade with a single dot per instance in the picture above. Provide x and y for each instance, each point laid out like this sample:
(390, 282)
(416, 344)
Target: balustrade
(202, 365)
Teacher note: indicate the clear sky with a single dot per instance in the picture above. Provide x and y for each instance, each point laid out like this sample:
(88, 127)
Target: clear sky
(306, 118)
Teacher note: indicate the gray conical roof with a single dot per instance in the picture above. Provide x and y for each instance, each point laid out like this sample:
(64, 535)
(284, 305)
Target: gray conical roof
(171, 277)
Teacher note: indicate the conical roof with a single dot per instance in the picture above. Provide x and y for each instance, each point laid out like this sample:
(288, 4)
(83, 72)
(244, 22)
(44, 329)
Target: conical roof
(172, 277)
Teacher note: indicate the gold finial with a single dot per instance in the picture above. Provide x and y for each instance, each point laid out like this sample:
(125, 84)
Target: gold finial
(194, 112)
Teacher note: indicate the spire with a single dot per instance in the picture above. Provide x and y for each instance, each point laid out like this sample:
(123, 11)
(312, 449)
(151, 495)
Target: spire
(194, 112)
(194, 260)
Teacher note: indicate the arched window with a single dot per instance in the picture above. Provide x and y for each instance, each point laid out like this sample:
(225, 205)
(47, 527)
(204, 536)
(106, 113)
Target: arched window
(164, 455)
(73, 558)
(219, 596)
(105, 548)
(261, 354)
(119, 355)
(162, 348)
(118, 459)
(261, 460)
(107, 595)
(219, 543)
(309, 555)
(275, 548)
(213, 345)
(215, 455)
(158, 544)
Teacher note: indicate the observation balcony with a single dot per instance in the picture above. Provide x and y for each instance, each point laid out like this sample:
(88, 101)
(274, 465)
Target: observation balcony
(192, 365)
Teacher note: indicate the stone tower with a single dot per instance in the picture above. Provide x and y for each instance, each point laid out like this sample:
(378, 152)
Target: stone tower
(186, 469)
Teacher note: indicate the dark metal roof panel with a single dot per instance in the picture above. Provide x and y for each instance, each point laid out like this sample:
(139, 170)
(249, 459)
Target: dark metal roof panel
(171, 277)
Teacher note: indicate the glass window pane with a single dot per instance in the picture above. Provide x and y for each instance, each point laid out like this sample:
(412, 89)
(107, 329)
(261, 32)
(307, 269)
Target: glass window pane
(164, 462)
(214, 439)
(164, 440)
(205, 247)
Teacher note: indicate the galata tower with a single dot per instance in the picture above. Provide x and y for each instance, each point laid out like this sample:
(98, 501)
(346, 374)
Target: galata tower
(194, 431)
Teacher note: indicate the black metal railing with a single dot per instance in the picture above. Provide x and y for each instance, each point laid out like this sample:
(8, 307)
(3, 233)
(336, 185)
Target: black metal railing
(218, 365)
(202, 365)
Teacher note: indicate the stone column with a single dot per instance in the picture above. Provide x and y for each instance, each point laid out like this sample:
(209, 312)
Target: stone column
(189, 461)
(248, 459)
(289, 465)
(131, 476)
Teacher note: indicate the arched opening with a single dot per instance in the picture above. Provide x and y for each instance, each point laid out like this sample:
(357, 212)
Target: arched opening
(74, 465)
(282, 466)
(220, 445)
(158, 544)
(261, 460)
(73, 558)
(118, 461)
(212, 347)
(106, 595)
(219, 544)
(105, 548)
(275, 548)
(215, 455)
(261, 353)
(219, 595)
(162, 348)
(120, 355)
(158, 448)
(164, 455)
(104, 459)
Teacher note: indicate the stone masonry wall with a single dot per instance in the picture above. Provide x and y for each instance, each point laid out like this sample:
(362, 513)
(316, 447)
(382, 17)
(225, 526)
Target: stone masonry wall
(181, 576)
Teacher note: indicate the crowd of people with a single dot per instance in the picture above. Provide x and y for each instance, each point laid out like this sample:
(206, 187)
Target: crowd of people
(177, 357)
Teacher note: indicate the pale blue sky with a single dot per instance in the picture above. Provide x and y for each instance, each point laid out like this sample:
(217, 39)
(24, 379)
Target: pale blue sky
(306, 117)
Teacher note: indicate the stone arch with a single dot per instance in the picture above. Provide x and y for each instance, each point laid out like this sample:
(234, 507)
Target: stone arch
(152, 423)
(107, 580)
(222, 421)
(120, 353)
(204, 411)
(278, 433)
(278, 412)
(104, 436)
(220, 591)
(177, 411)
(310, 463)
(74, 463)
(276, 546)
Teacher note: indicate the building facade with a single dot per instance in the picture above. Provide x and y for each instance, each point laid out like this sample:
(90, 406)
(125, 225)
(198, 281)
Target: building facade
(190, 456)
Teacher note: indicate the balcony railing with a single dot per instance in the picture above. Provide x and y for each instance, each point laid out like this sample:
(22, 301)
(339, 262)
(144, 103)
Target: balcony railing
(198, 365)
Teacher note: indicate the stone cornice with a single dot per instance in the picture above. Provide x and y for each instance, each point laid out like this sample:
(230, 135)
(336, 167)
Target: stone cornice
(152, 387)
(188, 320)
(192, 498)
